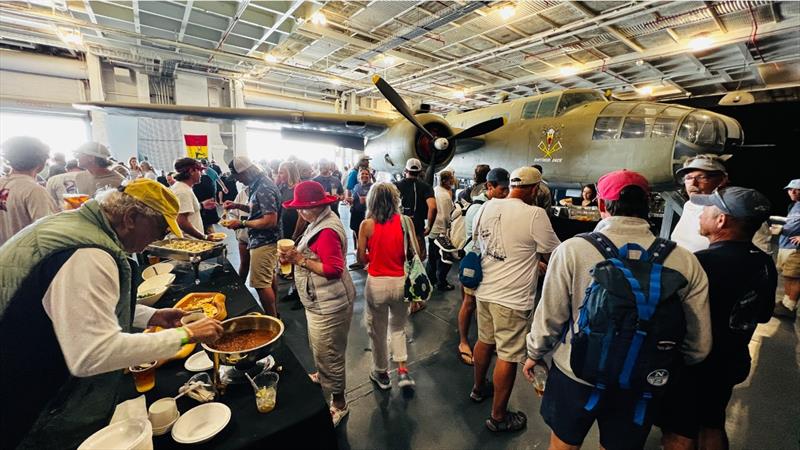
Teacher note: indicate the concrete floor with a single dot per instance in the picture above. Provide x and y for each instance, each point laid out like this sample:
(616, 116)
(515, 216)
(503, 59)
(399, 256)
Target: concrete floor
(764, 412)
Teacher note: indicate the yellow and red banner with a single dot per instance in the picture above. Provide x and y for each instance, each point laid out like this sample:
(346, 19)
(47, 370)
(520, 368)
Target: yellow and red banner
(196, 145)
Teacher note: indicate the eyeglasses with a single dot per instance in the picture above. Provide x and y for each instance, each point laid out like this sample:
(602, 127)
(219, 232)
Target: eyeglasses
(699, 178)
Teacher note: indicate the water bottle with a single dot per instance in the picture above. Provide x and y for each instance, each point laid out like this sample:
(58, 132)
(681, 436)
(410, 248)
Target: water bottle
(539, 379)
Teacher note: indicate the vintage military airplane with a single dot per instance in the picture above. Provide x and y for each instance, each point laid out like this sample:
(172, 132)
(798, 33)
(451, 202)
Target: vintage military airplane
(576, 135)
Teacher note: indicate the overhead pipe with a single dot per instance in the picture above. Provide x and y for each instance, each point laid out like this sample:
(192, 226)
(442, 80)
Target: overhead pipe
(54, 66)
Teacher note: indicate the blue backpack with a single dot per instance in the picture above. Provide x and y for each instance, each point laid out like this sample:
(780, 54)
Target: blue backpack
(631, 323)
(470, 272)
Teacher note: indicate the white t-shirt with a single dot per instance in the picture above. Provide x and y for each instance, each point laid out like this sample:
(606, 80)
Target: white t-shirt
(22, 202)
(511, 234)
(188, 203)
(61, 184)
(89, 184)
(444, 207)
(687, 231)
(86, 325)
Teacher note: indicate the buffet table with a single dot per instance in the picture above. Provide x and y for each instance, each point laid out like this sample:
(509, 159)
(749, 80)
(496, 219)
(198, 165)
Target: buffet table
(300, 418)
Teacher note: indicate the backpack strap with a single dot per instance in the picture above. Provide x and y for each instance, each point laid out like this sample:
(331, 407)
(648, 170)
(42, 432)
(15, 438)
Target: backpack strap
(602, 244)
(660, 249)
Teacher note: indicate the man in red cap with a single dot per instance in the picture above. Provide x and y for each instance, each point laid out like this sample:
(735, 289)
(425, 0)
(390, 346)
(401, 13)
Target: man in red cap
(566, 406)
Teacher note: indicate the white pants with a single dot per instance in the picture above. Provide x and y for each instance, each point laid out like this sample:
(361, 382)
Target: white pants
(386, 311)
(327, 336)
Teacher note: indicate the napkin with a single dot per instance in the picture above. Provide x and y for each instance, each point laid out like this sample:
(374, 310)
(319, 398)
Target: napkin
(135, 408)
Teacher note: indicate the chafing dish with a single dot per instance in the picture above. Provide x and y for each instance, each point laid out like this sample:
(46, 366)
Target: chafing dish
(162, 250)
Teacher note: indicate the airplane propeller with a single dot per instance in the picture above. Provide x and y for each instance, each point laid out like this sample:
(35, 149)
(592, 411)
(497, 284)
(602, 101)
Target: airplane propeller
(439, 143)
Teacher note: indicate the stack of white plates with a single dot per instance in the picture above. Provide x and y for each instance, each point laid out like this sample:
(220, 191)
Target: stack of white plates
(130, 434)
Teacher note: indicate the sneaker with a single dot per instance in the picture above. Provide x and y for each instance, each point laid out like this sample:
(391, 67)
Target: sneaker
(448, 258)
(514, 421)
(445, 287)
(381, 379)
(790, 304)
(338, 414)
(444, 243)
(405, 381)
(356, 266)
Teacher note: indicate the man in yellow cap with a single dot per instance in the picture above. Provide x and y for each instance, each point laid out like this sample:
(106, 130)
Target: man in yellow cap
(67, 309)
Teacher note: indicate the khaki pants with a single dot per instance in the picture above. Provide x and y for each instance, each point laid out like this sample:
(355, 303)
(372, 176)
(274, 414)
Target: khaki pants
(262, 265)
(327, 337)
(386, 311)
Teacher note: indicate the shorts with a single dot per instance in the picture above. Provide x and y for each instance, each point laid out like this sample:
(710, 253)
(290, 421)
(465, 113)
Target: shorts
(242, 236)
(789, 262)
(697, 399)
(505, 328)
(262, 265)
(563, 411)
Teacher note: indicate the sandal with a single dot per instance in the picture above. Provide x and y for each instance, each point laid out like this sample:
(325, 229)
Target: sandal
(338, 414)
(514, 421)
(487, 391)
(466, 358)
(314, 377)
(417, 307)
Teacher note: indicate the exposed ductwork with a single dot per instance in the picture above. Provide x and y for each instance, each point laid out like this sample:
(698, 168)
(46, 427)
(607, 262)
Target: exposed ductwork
(33, 63)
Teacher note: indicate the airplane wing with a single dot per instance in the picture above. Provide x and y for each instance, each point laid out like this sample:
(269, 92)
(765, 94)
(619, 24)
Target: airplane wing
(349, 130)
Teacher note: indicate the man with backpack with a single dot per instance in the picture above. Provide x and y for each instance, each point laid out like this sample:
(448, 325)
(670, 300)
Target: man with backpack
(619, 308)
(741, 292)
(417, 201)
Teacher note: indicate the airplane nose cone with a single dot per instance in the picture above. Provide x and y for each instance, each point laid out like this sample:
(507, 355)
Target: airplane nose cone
(441, 143)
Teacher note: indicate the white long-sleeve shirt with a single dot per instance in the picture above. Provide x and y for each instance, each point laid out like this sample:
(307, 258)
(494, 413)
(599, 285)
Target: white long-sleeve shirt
(444, 208)
(568, 277)
(687, 231)
(81, 301)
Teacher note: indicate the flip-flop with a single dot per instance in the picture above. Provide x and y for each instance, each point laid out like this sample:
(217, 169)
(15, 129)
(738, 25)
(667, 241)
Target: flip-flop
(314, 377)
(417, 307)
(462, 356)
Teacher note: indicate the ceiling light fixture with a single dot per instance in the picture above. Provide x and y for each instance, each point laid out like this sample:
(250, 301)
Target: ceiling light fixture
(645, 91)
(270, 58)
(568, 70)
(700, 43)
(319, 19)
(507, 12)
(640, 62)
(388, 60)
(461, 95)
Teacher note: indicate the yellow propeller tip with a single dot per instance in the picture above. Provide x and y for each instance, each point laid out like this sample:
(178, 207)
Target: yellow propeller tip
(375, 79)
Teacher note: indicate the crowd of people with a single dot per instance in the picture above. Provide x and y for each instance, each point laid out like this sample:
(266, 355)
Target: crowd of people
(631, 330)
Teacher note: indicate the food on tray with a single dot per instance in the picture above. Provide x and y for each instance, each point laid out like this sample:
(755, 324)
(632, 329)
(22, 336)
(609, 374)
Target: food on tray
(188, 245)
(243, 340)
(216, 237)
(212, 304)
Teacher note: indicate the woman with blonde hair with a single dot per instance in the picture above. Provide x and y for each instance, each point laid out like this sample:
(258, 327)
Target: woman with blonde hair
(381, 246)
(286, 179)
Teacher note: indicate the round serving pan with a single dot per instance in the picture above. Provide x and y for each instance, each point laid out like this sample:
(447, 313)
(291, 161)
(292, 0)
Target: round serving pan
(246, 358)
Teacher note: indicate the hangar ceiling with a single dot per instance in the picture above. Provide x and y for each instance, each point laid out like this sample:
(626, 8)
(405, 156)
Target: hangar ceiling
(451, 54)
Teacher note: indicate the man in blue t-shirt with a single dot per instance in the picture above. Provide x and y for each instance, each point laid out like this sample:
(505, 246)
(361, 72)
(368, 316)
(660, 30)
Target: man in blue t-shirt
(352, 177)
(329, 182)
(263, 228)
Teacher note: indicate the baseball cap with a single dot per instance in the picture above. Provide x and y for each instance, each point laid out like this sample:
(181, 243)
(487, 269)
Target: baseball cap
(413, 165)
(184, 165)
(736, 201)
(364, 158)
(240, 163)
(794, 184)
(94, 149)
(611, 184)
(158, 197)
(525, 176)
(498, 176)
(707, 162)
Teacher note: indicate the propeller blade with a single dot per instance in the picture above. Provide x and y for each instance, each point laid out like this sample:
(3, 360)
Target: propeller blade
(394, 98)
(429, 173)
(480, 128)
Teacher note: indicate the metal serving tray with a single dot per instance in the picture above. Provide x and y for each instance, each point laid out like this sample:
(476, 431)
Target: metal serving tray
(157, 249)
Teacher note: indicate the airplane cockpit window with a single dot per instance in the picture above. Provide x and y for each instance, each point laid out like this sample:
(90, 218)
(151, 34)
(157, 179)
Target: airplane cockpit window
(674, 111)
(702, 129)
(529, 110)
(547, 107)
(664, 127)
(572, 100)
(617, 108)
(606, 128)
(637, 127)
(647, 109)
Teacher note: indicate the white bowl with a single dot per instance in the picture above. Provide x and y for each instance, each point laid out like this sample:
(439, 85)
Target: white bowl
(166, 428)
(154, 283)
(152, 297)
(198, 362)
(130, 434)
(201, 423)
(157, 269)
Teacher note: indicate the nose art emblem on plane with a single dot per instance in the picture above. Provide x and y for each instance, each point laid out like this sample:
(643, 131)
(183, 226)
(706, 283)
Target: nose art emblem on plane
(551, 142)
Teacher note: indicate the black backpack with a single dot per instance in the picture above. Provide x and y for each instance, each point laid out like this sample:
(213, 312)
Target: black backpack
(631, 323)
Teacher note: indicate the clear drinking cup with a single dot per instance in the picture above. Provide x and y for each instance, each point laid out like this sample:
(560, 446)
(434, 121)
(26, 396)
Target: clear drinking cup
(266, 390)
(144, 376)
(284, 245)
(539, 379)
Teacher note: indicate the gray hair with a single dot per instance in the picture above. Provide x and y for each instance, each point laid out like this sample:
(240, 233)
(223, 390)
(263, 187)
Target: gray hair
(116, 203)
(383, 202)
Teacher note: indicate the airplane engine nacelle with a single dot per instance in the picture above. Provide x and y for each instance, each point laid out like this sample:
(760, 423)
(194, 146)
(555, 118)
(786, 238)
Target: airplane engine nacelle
(403, 141)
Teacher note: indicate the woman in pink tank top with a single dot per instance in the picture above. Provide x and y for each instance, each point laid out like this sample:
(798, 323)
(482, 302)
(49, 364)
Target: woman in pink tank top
(380, 246)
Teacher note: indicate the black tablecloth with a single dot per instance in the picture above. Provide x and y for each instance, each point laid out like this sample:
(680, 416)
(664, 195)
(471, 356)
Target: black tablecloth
(300, 418)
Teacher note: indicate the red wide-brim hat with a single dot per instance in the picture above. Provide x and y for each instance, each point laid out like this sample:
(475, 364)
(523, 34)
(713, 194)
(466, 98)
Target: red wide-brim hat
(309, 194)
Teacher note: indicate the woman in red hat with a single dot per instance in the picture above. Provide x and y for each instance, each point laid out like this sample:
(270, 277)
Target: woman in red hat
(325, 288)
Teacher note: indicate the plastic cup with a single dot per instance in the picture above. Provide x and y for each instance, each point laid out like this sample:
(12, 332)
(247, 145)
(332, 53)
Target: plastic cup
(266, 390)
(74, 201)
(162, 412)
(284, 245)
(144, 376)
(192, 317)
(539, 379)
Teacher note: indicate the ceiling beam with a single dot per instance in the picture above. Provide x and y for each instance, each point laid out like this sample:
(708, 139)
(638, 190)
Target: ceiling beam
(90, 12)
(232, 22)
(136, 25)
(610, 29)
(750, 62)
(186, 13)
(713, 11)
(286, 15)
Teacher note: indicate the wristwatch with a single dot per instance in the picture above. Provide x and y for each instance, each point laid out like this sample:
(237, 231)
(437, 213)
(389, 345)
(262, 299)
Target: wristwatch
(244, 223)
